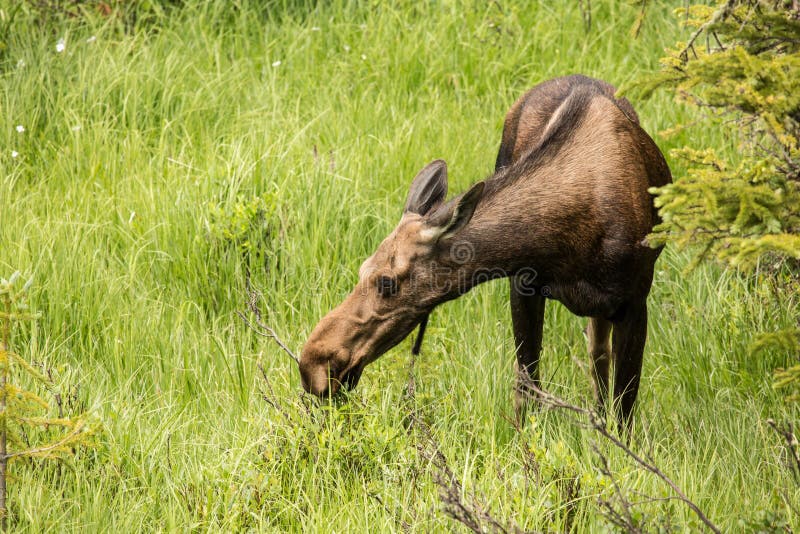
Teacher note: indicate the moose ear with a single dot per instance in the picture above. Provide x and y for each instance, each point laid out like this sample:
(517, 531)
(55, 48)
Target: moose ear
(451, 218)
(428, 189)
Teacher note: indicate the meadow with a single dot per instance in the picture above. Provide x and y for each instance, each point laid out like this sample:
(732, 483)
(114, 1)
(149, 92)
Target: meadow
(161, 158)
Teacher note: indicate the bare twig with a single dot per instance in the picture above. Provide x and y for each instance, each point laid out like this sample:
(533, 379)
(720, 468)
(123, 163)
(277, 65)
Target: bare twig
(598, 423)
(40, 451)
(258, 326)
(721, 14)
(529, 462)
(269, 395)
(623, 519)
(463, 508)
(787, 433)
(400, 521)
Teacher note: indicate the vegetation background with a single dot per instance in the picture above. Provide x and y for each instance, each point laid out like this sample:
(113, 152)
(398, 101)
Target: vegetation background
(152, 154)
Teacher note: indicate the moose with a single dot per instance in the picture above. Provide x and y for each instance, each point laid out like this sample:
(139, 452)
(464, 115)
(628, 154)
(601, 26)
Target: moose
(565, 216)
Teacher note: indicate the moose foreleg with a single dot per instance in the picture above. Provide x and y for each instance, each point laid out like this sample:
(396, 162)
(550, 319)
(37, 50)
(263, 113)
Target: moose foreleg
(527, 317)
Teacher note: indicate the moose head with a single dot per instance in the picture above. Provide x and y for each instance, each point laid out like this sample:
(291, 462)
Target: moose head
(413, 269)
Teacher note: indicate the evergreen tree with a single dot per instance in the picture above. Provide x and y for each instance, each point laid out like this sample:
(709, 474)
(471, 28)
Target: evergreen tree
(741, 68)
(20, 408)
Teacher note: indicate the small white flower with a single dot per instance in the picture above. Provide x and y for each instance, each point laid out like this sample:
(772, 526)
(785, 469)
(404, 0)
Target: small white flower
(91, 39)
(346, 48)
(61, 45)
(76, 128)
(14, 153)
(315, 28)
(20, 63)
(363, 57)
(20, 128)
(276, 63)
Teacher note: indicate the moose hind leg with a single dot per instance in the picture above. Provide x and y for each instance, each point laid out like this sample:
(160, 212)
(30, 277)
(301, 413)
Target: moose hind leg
(527, 317)
(598, 334)
(628, 344)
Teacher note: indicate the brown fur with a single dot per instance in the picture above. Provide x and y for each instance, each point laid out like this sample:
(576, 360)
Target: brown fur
(528, 116)
(566, 212)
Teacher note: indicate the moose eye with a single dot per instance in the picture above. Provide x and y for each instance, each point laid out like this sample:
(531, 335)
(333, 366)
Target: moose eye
(387, 286)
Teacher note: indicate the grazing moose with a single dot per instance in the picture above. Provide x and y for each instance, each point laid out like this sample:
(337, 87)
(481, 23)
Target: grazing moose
(564, 216)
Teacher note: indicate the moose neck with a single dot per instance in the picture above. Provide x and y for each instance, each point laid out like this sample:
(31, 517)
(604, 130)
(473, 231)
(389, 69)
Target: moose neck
(501, 240)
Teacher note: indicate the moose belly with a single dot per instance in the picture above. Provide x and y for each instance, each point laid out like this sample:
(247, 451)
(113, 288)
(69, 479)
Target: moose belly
(584, 299)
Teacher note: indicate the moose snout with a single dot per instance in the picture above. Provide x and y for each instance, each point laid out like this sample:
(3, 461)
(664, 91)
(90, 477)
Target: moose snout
(321, 369)
(316, 378)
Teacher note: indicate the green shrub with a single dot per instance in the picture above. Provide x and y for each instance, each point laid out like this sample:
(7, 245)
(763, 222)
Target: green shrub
(741, 69)
(24, 433)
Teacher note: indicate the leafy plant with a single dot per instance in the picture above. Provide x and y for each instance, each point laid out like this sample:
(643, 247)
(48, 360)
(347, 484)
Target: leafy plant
(18, 406)
(243, 227)
(745, 79)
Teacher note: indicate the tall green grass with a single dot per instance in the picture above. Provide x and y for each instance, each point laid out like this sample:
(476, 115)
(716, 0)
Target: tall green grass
(138, 135)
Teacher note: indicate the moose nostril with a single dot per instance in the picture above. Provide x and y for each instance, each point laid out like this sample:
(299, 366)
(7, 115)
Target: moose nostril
(304, 376)
(316, 379)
